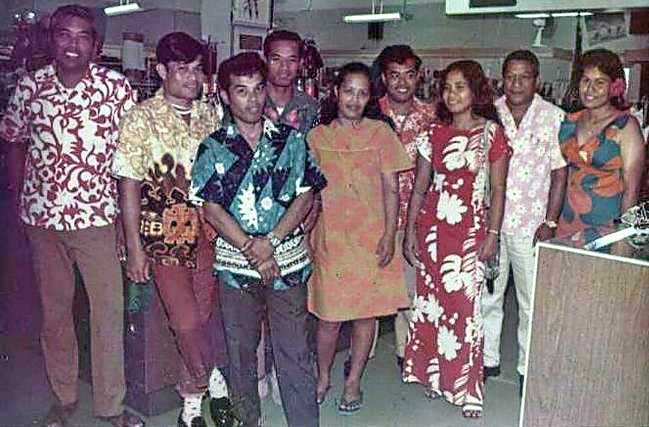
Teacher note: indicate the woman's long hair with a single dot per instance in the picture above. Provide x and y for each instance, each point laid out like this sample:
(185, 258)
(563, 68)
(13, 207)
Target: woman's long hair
(329, 109)
(480, 87)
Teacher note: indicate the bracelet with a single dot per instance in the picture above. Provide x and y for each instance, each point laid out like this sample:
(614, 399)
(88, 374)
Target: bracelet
(492, 231)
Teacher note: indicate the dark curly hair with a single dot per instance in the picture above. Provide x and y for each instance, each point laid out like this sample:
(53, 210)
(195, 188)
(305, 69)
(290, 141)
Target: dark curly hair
(608, 63)
(480, 88)
(329, 110)
(243, 64)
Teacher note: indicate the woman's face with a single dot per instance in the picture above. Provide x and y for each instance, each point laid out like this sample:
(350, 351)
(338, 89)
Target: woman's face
(456, 93)
(594, 88)
(353, 95)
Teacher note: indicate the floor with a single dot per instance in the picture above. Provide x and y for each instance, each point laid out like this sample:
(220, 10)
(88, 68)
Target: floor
(25, 397)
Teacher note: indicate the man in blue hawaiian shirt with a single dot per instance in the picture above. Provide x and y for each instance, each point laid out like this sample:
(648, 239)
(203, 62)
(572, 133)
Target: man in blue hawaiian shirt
(257, 181)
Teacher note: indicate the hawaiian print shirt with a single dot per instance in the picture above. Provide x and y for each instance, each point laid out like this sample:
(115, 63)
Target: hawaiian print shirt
(157, 147)
(256, 188)
(412, 129)
(72, 136)
(536, 154)
(301, 112)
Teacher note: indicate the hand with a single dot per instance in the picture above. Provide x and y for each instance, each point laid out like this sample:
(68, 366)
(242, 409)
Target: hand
(543, 233)
(385, 250)
(138, 267)
(312, 217)
(411, 251)
(269, 271)
(208, 229)
(489, 247)
(257, 250)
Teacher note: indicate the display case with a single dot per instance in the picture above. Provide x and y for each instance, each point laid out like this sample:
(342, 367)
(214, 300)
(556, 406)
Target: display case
(588, 359)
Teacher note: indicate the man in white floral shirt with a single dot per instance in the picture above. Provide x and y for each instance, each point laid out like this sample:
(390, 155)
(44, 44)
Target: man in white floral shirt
(63, 121)
(535, 190)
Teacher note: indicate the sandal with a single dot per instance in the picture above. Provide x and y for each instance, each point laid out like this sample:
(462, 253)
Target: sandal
(348, 407)
(431, 394)
(321, 395)
(472, 412)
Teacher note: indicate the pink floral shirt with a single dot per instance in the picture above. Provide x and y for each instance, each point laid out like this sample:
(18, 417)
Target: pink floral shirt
(71, 135)
(536, 154)
(412, 129)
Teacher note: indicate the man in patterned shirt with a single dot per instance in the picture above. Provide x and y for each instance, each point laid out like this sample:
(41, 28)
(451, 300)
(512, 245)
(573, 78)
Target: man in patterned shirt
(400, 73)
(257, 180)
(166, 237)
(65, 118)
(535, 189)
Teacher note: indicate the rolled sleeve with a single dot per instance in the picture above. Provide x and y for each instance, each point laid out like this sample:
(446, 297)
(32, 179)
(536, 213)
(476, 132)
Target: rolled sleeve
(14, 126)
(133, 156)
(557, 161)
(313, 176)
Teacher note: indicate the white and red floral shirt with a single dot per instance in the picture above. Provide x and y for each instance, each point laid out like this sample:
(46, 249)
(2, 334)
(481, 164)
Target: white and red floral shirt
(536, 154)
(71, 135)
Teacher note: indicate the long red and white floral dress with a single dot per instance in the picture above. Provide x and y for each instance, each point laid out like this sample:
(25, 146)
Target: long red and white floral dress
(445, 340)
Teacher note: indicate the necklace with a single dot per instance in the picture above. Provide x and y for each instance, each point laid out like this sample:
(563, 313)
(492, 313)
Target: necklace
(182, 110)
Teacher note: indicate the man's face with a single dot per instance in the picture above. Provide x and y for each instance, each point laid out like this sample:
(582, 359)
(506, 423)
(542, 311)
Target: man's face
(520, 83)
(401, 80)
(246, 97)
(283, 63)
(182, 81)
(73, 43)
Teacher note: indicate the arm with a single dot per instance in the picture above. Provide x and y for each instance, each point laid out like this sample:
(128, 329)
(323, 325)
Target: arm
(313, 215)
(498, 175)
(16, 154)
(137, 266)
(558, 179)
(385, 248)
(633, 160)
(420, 188)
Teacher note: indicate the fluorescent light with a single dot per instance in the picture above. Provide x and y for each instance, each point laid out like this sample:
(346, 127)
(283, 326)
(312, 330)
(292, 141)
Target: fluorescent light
(532, 15)
(570, 14)
(122, 9)
(372, 17)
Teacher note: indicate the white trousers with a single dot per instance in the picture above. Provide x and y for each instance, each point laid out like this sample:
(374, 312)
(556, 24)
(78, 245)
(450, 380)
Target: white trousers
(517, 251)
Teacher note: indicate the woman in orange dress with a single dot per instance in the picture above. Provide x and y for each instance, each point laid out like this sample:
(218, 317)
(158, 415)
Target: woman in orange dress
(353, 242)
(604, 149)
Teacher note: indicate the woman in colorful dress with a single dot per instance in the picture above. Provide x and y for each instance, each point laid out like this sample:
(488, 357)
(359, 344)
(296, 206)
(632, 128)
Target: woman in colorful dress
(355, 277)
(467, 157)
(604, 148)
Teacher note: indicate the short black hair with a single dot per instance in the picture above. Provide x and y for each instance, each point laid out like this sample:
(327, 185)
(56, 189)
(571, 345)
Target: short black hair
(243, 64)
(76, 11)
(399, 53)
(178, 47)
(283, 35)
(522, 55)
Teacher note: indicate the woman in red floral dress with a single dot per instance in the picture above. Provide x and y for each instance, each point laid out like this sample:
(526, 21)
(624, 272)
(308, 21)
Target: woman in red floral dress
(450, 240)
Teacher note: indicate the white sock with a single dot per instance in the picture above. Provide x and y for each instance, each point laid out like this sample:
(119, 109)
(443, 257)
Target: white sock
(217, 386)
(191, 407)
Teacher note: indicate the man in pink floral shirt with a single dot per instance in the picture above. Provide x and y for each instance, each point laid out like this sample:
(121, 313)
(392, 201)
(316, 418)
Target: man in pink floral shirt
(63, 122)
(412, 118)
(535, 189)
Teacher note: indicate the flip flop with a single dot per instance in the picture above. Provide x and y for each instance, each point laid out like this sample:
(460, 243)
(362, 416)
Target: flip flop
(348, 407)
(320, 397)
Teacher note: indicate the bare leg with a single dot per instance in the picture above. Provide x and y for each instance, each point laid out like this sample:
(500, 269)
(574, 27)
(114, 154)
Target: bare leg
(362, 337)
(327, 336)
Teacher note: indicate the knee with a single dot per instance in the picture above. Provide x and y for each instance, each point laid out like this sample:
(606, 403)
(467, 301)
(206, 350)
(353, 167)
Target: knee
(327, 327)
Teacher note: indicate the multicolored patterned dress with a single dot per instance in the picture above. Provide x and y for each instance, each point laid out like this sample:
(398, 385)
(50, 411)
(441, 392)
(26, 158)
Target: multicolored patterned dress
(595, 178)
(444, 350)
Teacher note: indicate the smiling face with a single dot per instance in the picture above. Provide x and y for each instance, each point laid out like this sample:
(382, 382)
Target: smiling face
(401, 81)
(594, 88)
(520, 83)
(283, 63)
(246, 97)
(353, 95)
(457, 94)
(182, 82)
(73, 43)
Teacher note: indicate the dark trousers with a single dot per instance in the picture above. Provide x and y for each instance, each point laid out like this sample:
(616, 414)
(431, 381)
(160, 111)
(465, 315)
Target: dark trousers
(287, 317)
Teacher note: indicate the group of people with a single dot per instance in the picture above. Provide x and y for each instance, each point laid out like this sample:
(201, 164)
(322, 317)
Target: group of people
(256, 220)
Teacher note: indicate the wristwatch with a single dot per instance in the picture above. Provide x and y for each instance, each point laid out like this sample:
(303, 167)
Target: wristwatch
(273, 239)
(550, 224)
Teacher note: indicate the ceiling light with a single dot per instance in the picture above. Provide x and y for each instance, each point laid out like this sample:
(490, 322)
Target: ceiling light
(124, 6)
(570, 14)
(532, 15)
(372, 17)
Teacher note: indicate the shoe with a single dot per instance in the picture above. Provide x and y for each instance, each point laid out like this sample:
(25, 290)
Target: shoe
(400, 363)
(58, 415)
(125, 419)
(491, 371)
(196, 421)
(521, 383)
(347, 368)
(349, 407)
(221, 412)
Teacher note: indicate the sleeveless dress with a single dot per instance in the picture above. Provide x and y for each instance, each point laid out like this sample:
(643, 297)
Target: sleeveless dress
(444, 349)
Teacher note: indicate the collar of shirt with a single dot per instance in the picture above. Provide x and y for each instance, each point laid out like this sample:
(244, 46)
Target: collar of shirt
(513, 131)
(421, 112)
